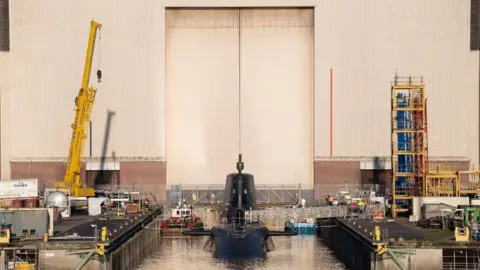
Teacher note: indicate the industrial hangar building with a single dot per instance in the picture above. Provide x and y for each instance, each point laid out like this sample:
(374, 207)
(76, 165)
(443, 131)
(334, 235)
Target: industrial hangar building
(314, 80)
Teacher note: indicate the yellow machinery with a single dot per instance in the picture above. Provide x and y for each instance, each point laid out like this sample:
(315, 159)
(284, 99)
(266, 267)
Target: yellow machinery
(84, 104)
(5, 234)
(442, 180)
(100, 247)
(24, 266)
(462, 234)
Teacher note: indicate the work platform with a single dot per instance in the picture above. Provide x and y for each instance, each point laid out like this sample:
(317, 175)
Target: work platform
(388, 230)
(368, 244)
(126, 241)
(91, 227)
(396, 244)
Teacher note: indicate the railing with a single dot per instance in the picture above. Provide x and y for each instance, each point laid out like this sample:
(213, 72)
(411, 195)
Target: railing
(368, 211)
(438, 168)
(287, 213)
(202, 194)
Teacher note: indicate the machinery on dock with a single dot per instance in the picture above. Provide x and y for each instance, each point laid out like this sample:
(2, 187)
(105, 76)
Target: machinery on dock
(238, 236)
(84, 104)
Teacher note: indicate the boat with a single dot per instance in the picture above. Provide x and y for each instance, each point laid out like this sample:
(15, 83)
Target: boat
(181, 220)
(304, 226)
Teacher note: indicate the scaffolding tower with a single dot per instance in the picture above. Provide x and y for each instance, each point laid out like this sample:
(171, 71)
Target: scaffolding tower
(409, 142)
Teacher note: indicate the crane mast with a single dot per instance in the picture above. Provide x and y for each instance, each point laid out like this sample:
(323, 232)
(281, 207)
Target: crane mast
(84, 104)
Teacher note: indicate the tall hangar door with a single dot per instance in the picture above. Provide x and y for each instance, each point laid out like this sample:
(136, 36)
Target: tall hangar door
(271, 51)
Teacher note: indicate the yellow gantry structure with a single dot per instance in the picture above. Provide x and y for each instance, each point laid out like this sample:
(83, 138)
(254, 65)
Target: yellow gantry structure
(409, 141)
(84, 104)
(412, 175)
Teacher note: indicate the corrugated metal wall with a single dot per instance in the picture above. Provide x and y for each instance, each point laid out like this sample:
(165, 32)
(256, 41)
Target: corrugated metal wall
(48, 46)
(276, 59)
(365, 42)
(277, 94)
(202, 95)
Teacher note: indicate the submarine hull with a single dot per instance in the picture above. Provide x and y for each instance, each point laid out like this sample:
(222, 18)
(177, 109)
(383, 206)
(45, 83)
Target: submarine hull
(248, 241)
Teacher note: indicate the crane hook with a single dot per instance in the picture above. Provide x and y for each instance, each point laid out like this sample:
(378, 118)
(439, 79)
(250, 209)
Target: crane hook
(99, 75)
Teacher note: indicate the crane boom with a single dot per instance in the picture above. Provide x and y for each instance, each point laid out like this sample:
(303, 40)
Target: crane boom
(84, 104)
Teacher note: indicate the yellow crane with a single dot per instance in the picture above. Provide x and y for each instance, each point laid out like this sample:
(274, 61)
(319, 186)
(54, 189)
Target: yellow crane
(84, 104)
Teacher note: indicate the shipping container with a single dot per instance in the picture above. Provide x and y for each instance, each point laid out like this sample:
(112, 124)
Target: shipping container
(20, 188)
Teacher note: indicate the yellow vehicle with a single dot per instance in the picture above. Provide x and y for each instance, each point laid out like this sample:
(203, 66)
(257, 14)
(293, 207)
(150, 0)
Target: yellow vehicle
(84, 104)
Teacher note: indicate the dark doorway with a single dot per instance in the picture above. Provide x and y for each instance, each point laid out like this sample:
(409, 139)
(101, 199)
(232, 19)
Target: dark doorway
(103, 177)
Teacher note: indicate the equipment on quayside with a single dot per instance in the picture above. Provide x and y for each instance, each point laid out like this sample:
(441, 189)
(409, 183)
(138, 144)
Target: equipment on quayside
(84, 104)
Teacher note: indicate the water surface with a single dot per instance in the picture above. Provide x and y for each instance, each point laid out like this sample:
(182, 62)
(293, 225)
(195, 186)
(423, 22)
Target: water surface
(298, 252)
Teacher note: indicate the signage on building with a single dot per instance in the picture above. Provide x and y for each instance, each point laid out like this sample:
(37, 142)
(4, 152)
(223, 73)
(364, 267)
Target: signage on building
(19, 188)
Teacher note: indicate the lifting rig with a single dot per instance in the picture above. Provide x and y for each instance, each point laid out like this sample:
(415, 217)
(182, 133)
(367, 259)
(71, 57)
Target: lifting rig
(84, 104)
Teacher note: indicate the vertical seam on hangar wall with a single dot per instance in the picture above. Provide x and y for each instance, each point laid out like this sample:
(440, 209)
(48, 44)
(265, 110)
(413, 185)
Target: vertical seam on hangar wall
(264, 23)
(331, 111)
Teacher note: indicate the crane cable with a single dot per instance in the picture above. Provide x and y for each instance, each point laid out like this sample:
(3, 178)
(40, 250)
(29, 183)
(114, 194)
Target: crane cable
(239, 88)
(99, 62)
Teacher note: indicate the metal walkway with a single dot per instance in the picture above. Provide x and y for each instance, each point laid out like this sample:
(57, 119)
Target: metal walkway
(309, 212)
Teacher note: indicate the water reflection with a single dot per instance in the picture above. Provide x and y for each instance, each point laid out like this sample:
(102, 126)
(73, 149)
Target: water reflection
(299, 252)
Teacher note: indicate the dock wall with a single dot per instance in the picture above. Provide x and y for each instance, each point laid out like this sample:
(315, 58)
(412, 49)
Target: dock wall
(350, 249)
(356, 252)
(137, 248)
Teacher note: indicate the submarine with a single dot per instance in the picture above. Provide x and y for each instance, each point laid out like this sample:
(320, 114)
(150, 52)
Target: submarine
(237, 236)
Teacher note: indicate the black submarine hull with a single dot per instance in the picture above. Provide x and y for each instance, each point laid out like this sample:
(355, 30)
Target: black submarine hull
(238, 237)
(249, 241)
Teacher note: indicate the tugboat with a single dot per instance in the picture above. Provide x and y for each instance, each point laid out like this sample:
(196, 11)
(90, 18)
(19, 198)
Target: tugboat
(181, 220)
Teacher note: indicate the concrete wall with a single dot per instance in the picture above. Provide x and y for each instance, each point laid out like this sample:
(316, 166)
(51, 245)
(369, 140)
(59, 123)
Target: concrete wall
(424, 259)
(364, 44)
(62, 260)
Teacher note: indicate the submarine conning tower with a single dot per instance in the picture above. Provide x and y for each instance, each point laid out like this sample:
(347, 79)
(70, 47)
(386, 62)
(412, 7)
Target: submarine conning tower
(240, 193)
